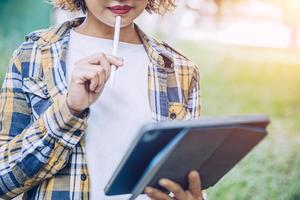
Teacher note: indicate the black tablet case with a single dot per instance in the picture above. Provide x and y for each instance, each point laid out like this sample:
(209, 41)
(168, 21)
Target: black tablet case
(212, 154)
(212, 146)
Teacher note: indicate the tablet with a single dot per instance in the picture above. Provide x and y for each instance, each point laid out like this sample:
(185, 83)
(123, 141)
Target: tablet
(212, 146)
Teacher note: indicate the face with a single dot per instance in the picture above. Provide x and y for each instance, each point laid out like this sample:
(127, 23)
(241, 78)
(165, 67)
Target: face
(106, 10)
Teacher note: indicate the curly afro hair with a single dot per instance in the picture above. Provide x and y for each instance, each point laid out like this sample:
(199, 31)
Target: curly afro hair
(160, 7)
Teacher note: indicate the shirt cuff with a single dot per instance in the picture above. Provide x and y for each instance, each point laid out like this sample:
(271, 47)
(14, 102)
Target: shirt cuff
(63, 125)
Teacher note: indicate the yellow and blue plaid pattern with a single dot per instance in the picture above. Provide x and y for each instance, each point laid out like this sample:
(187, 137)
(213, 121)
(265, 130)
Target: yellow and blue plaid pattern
(42, 151)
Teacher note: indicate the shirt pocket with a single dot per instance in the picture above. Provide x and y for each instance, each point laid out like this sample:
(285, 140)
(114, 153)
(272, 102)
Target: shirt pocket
(177, 111)
(37, 94)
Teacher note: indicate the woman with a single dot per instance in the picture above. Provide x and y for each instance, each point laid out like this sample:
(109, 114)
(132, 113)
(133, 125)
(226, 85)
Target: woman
(56, 85)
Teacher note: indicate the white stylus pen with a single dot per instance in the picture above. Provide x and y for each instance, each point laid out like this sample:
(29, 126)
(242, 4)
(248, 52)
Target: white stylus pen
(115, 47)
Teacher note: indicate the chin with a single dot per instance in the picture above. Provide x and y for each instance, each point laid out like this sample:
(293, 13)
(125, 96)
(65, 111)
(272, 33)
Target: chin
(124, 24)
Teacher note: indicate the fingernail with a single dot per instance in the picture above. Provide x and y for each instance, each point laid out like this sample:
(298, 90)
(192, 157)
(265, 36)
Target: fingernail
(163, 182)
(148, 190)
(194, 173)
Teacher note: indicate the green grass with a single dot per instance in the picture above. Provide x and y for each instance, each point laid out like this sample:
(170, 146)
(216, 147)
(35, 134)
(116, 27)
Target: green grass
(244, 80)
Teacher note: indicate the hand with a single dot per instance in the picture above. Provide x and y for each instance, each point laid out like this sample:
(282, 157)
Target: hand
(193, 193)
(88, 80)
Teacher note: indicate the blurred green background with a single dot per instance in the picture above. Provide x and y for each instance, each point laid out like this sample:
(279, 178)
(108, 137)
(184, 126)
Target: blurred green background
(245, 80)
(235, 80)
(18, 18)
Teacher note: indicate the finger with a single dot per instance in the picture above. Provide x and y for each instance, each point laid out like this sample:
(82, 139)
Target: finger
(94, 81)
(195, 184)
(104, 62)
(156, 194)
(87, 76)
(97, 58)
(173, 187)
(117, 61)
(102, 82)
(91, 75)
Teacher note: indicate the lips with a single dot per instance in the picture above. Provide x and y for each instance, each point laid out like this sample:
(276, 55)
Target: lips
(120, 9)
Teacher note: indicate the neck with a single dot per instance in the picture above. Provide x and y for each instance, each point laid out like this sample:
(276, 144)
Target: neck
(93, 27)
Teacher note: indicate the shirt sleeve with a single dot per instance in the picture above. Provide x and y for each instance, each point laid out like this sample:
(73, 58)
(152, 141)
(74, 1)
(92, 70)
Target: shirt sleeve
(194, 98)
(31, 152)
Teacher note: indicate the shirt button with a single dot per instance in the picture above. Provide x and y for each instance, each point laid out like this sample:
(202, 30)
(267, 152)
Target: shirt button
(35, 38)
(45, 91)
(173, 116)
(83, 177)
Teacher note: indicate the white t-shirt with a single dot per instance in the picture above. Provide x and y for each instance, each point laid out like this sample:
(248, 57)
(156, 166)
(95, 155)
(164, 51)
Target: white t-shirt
(119, 112)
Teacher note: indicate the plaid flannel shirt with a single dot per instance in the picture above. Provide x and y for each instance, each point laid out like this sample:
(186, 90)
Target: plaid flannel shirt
(42, 152)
